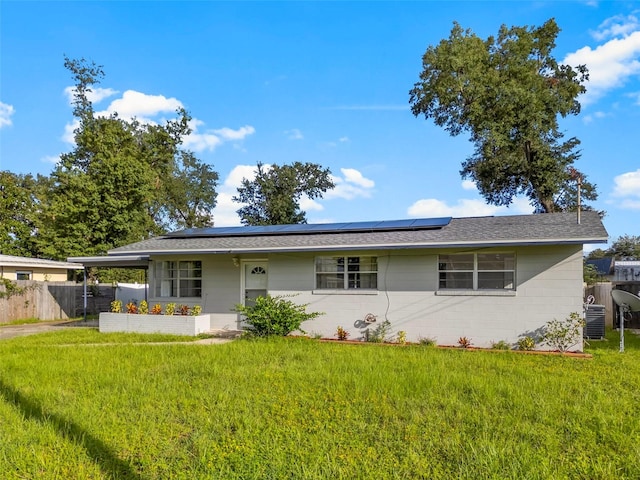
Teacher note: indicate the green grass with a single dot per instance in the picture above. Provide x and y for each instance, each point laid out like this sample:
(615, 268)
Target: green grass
(296, 408)
(21, 321)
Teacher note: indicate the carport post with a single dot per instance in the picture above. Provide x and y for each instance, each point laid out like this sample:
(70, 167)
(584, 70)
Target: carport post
(84, 286)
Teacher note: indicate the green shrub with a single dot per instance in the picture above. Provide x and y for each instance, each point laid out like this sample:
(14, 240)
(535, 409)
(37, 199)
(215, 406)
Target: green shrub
(275, 315)
(402, 337)
(501, 345)
(526, 343)
(342, 334)
(196, 310)
(116, 306)
(561, 335)
(170, 308)
(427, 341)
(379, 334)
(143, 308)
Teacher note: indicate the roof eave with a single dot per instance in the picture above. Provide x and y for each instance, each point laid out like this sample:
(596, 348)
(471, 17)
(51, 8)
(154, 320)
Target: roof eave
(386, 246)
(132, 260)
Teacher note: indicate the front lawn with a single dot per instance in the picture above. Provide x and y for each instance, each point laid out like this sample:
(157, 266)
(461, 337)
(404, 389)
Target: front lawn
(297, 408)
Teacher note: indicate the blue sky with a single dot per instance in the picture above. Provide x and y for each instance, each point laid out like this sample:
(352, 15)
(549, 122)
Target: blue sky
(323, 82)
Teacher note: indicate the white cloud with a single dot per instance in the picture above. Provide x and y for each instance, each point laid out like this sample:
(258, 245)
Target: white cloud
(96, 95)
(612, 63)
(343, 139)
(68, 136)
(6, 111)
(630, 204)
(294, 134)
(147, 108)
(53, 159)
(352, 184)
(230, 134)
(224, 214)
(627, 184)
(211, 139)
(618, 25)
(468, 185)
(594, 116)
(141, 106)
(307, 205)
(431, 207)
(352, 175)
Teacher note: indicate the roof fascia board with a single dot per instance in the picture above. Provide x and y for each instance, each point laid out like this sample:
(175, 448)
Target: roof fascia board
(385, 246)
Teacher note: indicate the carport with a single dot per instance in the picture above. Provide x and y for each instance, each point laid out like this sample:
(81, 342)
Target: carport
(115, 261)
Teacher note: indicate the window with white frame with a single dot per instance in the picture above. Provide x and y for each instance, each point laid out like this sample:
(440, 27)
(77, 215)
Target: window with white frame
(178, 279)
(337, 272)
(477, 271)
(24, 275)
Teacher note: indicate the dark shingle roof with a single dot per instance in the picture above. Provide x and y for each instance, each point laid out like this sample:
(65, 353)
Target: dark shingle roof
(604, 266)
(556, 228)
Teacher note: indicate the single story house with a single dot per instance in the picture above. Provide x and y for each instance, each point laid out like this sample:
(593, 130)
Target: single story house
(24, 268)
(484, 278)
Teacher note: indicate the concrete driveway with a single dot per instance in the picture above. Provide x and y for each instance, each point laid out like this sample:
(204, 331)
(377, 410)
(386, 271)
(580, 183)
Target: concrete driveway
(12, 331)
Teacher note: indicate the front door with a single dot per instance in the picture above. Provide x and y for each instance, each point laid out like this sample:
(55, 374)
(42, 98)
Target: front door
(255, 281)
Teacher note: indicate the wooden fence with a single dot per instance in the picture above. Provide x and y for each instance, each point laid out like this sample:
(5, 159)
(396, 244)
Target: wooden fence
(602, 294)
(54, 301)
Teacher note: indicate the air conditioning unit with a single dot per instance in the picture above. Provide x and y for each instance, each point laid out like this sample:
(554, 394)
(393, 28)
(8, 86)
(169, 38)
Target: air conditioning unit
(594, 327)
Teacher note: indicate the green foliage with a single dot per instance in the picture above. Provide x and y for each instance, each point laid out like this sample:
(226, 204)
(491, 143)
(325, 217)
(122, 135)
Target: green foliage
(190, 194)
(562, 335)
(464, 342)
(526, 343)
(427, 341)
(501, 345)
(116, 306)
(275, 315)
(342, 334)
(18, 213)
(589, 274)
(379, 334)
(273, 197)
(507, 92)
(625, 247)
(402, 337)
(170, 308)
(196, 310)
(143, 309)
(11, 288)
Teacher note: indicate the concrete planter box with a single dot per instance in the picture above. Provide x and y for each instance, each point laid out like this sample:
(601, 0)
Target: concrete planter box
(138, 323)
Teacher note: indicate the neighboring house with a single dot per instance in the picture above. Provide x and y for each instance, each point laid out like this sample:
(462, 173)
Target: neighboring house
(24, 268)
(485, 278)
(603, 267)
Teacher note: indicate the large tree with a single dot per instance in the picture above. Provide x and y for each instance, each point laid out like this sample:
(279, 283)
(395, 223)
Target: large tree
(626, 246)
(273, 197)
(120, 182)
(19, 209)
(507, 93)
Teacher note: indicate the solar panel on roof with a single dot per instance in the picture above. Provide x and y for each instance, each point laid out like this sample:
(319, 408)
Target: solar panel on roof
(431, 222)
(303, 228)
(396, 223)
